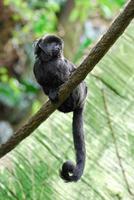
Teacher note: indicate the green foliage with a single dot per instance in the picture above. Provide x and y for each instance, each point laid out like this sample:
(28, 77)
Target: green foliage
(81, 49)
(33, 172)
(9, 91)
(81, 10)
(9, 95)
(106, 8)
(40, 17)
(36, 18)
(12, 92)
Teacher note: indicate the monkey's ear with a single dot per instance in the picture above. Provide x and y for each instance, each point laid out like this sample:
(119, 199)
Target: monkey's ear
(36, 45)
(41, 44)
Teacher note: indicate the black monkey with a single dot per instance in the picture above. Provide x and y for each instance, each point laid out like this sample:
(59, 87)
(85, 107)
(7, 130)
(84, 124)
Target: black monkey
(51, 70)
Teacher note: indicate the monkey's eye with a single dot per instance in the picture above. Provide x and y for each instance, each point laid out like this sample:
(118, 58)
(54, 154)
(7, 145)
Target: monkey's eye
(42, 45)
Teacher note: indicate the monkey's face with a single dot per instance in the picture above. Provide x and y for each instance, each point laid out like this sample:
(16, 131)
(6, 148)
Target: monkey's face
(49, 47)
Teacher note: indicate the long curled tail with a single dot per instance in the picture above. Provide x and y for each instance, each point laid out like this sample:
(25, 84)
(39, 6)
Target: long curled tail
(71, 172)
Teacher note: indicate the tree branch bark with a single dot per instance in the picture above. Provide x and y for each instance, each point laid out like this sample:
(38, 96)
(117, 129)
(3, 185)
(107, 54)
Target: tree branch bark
(97, 52)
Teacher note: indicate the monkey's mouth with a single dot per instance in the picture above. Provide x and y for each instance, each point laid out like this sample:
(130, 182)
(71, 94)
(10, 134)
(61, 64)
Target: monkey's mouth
(55, 52)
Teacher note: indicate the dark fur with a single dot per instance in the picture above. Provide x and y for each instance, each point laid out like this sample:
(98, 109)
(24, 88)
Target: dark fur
(51, 70)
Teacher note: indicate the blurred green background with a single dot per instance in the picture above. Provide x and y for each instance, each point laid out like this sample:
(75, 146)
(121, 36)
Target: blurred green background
(31, 171)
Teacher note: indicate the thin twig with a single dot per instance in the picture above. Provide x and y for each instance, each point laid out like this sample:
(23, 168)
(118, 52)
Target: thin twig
(116, 144)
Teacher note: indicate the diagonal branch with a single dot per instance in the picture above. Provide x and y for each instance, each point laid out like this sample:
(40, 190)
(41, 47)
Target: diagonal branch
(97, 52)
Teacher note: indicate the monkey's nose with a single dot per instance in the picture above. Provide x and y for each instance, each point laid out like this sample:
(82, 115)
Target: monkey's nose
(56, 51)
(57, 48)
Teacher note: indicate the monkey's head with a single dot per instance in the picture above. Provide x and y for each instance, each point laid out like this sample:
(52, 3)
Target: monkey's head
(49, 47)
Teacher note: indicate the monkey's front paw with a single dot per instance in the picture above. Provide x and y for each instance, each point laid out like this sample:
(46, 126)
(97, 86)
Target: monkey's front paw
(53, 95)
